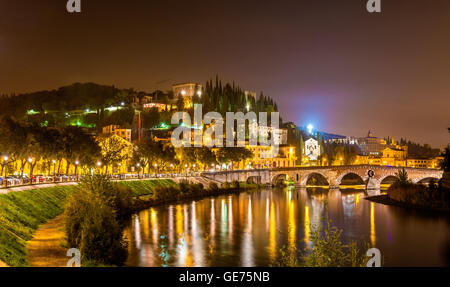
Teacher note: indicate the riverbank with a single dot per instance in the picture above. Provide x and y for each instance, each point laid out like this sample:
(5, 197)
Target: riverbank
(386, 200)
(24, 212)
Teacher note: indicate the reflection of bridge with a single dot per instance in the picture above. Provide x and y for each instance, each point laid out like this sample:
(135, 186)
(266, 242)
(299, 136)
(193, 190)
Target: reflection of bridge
(332, 174)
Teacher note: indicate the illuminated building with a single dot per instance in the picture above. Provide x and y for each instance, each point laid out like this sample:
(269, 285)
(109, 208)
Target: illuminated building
(263, 157)
(344, 140)
(312, 149)
(371, 145)
(424, 162)
(117, 130)
(187, 91)
(159, 106)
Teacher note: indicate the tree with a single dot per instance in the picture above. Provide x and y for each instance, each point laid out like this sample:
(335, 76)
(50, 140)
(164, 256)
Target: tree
(113, 151)
(402, 176)
(205, 157)
(446, 162)
(180, 104)
(13, 141)
(149, 152)
(151, 118)
(301, 148)
(94, 213)
(225, 155)
(78, 146)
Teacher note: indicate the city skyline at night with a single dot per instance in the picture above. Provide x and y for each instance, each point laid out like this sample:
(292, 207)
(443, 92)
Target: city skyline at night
(224, 134)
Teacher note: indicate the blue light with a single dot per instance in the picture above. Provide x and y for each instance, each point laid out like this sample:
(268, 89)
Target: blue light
(310, 129)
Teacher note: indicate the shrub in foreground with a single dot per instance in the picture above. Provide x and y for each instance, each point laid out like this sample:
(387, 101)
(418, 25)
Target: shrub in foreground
(94, 212)
(326, 250)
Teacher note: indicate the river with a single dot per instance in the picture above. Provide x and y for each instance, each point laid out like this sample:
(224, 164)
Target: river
(248, 229)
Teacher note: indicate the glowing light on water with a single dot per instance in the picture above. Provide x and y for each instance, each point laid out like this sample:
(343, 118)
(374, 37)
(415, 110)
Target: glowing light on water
(247, 239)
(307, 225)
(137, 232)
(372, 223)
(272, 233)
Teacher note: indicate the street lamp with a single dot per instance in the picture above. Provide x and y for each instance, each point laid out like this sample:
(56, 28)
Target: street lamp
(5, 158)
(99, 163)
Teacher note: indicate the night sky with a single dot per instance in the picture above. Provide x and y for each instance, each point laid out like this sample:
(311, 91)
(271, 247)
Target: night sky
(329, 63)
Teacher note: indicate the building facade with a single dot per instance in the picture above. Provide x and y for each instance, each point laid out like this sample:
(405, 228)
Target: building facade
(312, 149)
(117, 130)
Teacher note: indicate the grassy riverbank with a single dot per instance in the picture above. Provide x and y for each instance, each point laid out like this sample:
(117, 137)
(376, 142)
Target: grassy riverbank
(23, 212)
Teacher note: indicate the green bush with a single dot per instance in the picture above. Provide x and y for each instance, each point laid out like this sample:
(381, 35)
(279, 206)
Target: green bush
(235, 184)
(94, 212)
(184, 186)
(226, 185)
(101, 237)
(326, 250)
(116, 195)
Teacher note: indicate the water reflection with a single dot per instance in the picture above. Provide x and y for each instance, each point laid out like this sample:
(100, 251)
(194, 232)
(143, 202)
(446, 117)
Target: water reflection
(248, 229)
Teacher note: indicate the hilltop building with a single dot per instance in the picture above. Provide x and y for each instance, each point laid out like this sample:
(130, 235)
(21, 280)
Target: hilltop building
(371, 145)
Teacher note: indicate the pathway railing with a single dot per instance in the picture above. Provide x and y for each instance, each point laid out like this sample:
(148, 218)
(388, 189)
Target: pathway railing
(10, 181)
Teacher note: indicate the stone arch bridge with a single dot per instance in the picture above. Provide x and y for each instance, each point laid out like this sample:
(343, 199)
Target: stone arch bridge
(332, 174)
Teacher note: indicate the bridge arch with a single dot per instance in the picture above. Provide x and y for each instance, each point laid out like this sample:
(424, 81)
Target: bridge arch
(279, 178)
(428, 180)
(315, 178)
(350, 178)
(388, 179)
(254, 179)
